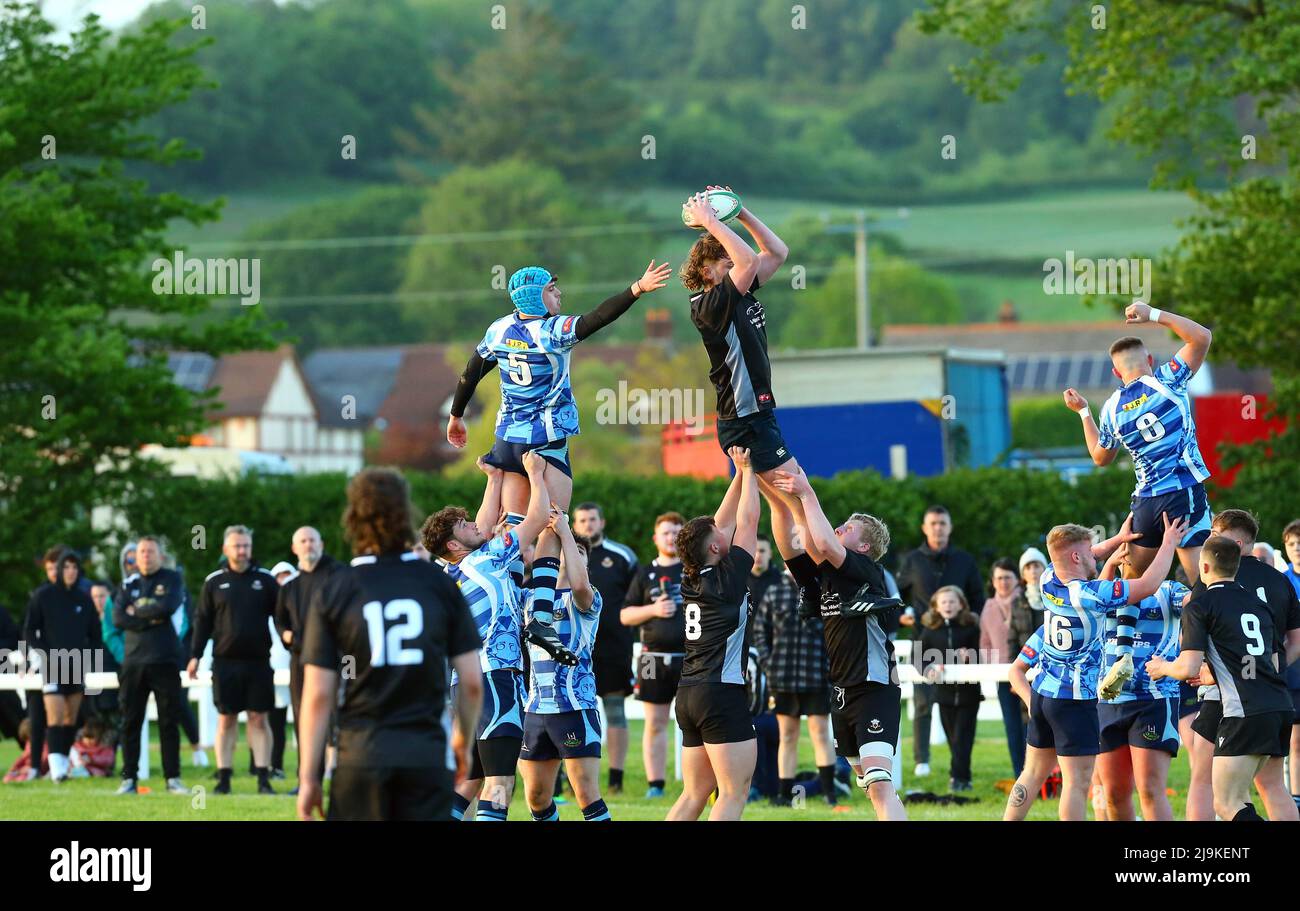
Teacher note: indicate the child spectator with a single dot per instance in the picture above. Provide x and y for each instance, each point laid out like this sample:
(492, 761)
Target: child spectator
(93, 756)
(951, 635)
(21, 769)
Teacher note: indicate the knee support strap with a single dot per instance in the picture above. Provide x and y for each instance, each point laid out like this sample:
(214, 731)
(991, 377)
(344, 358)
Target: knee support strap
(614, 714)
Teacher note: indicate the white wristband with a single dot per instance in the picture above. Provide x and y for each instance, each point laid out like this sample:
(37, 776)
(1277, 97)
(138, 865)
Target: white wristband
(1085, 414)
(1154, 315)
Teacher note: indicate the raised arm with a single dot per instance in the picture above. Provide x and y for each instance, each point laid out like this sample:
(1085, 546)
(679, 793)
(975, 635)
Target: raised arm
(1195, 337)
(607, 311)
(725, 517)
(749, 509)
(1091, 436)
(772, 251)
(539, 501)
(1146, 585)
(575, 564)
(489, 511)
(820, 531)
(1104, 550)
(744, 261)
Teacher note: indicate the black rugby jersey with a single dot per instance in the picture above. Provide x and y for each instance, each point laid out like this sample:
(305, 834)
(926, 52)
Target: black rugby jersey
(1237, 634)
(734, 330)
(716, 611)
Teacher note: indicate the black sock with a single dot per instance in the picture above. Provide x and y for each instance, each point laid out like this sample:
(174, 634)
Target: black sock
(262, 773)
(223, 775)
(826, 775)
(784, 791)
(657, 783)
(59, 738)
(616, 778)
(1247, 814)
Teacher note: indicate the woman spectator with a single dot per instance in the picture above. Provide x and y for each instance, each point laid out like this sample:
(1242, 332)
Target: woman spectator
(951, 635)
(995, 626)
(1026, 618)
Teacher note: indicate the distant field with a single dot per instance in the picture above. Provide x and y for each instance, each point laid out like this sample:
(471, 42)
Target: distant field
(93, 799)
(953, 240)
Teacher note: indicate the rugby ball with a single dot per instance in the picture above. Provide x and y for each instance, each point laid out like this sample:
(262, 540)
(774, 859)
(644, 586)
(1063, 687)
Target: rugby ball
(726, 205)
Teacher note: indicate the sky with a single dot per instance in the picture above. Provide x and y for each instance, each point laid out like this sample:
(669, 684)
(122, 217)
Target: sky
(67, 14)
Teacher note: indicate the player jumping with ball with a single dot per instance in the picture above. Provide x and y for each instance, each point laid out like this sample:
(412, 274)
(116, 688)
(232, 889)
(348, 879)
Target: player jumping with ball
(723, 272)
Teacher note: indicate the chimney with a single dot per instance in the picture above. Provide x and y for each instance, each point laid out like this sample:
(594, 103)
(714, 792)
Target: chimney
(659, 326)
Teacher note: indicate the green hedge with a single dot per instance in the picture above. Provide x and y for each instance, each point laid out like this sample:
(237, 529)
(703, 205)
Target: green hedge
(996, 512)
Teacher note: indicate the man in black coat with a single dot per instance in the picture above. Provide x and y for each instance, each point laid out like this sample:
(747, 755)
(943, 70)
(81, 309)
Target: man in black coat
(921, 573)
(314, 568)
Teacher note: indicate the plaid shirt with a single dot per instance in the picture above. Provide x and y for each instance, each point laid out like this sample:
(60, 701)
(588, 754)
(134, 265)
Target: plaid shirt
(791, 651)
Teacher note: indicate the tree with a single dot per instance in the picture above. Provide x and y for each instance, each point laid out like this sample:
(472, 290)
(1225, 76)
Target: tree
(532, 96)
(1206, 88)
(83, 368)
(489, 221)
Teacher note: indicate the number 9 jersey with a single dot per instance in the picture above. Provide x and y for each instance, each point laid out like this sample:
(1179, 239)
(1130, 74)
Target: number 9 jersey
(1074, 627)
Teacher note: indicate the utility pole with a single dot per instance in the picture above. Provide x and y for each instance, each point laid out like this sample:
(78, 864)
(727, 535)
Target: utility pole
(861, 267)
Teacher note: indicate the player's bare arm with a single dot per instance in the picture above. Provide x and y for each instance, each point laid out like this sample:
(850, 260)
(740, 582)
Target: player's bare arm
(749, 508)
(468, 704)
(1018, 677)
(725, 517)
(772, 251)
(1187, 666)
(1148, 583)
(318, 688)
(1104, 550)
(1079, 405)
(744, 261)
(539, 500)
(575, 564)
(1195, 337)
(821, 534)
(490, 509)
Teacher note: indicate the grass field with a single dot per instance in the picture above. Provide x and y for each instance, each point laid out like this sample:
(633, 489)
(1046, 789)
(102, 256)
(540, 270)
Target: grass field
(92, 799)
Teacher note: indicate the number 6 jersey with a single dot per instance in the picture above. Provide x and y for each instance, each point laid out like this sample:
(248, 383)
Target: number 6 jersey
(716, 607)
(1074, 627)
(389, 624)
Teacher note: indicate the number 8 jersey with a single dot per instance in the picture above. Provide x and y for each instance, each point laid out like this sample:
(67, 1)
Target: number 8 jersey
(1152, 418)
(1074, 627)
(717, 614)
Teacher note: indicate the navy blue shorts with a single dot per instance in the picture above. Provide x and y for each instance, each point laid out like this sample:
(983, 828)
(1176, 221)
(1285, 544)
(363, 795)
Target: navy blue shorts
(510, 456)
(1190, 501)
(760, 434)
(1148, 724)
(1188, 704)
(566, 735)
(1068, 726)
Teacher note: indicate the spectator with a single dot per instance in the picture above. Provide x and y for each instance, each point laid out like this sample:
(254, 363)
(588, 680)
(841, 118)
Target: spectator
(314, 569)
(654, 604)
(921, 573)
(278, 717)
(764, 574)
(94, 753)
(233, 610)
(1291, 544)
(951, 635)
(22, 769)
(144, 608)
(106, 704)
(995, 630)
(611, 567)
(35, 704)
(63, 625)
(11, 707)
(792, 653)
